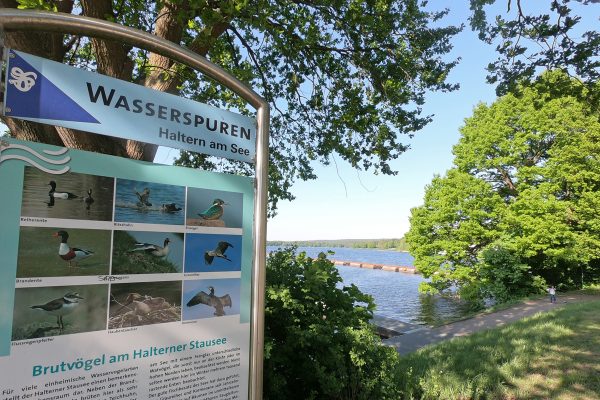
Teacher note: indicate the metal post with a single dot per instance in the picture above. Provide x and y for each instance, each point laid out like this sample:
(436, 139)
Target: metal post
(21, 20)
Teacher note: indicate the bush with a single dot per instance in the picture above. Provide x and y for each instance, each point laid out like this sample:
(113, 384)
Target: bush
(318, 340)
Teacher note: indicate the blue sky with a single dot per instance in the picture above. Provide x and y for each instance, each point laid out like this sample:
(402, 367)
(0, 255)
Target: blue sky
(332, 206)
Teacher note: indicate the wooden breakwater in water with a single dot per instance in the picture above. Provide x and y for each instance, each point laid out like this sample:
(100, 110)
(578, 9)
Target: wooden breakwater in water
(391, 268)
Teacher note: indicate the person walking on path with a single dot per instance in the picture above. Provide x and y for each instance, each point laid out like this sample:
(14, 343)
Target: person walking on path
(552, 292)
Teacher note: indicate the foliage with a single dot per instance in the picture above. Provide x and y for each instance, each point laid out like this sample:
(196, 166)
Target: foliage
(547, 356)
(529, 41)
(318, 341)
(344, 78)
(517, 208)
(392, 244)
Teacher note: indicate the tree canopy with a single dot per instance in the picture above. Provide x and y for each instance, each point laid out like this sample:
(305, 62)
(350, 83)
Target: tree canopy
(526, 178)
(344, 78)
(529, 40)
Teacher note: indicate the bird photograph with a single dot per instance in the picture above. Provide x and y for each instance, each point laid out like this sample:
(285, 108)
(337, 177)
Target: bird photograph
(211, 298)
(60, 195)
(215, 211)
(59, 310)
(219, 252)
(205, 252)
(149, 202)
(145, 303)
(170, 208)
(68, 196)
(143, 198)
(214, 208)
(59, 307)
(72, 255)
(45, 252)
(88, 200)
(136, 252)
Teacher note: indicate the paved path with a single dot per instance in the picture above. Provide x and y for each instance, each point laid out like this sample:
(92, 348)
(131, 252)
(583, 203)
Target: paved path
(418, 338)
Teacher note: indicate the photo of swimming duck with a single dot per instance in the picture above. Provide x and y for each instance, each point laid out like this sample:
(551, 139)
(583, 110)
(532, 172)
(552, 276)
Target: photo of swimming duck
(211, 300)
(169, 208)
(69, 196)
(60, 195)
(89, 200)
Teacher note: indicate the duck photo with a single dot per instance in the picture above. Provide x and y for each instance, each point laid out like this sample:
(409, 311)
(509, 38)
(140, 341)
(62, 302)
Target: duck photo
(67, 196)
(45, 252)
(214, 208)
(136, 252)
(59, 310)
(149, 202)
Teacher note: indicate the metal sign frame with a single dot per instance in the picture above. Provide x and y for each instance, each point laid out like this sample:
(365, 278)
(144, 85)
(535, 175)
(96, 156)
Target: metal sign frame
(25, 20)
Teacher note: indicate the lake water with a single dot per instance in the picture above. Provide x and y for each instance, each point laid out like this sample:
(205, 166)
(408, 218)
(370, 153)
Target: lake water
(395, 293)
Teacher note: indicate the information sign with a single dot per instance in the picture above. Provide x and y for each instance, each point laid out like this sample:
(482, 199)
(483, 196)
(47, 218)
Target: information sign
(122, 279)
(52, 93)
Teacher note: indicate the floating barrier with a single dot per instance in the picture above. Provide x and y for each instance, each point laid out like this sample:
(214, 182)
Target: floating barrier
(391, 268)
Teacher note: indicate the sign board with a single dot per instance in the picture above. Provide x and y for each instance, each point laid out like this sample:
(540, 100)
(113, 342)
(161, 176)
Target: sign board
(122, 279)
(52, 93)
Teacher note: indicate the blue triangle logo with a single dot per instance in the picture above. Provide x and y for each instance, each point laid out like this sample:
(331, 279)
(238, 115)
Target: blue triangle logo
(29, 94)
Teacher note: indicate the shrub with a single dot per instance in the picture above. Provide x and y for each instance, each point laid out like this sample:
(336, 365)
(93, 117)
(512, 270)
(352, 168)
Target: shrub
(318, 340)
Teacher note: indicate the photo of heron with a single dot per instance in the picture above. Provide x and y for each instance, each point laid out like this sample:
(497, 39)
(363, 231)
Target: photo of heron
(149, 202)
(210, 298)
(68, 196)
(214, 208)
(137, 252)
(63, 252)
(144, 303)
(59, 310)
(212, 253)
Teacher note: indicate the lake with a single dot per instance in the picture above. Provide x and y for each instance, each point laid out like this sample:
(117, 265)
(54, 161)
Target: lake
(395, 293)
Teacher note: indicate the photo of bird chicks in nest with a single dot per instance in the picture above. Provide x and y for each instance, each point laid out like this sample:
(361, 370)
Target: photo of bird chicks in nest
(146, 303)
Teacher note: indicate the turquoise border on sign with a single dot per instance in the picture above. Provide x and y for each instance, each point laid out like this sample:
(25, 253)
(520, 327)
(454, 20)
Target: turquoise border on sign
(11, 178)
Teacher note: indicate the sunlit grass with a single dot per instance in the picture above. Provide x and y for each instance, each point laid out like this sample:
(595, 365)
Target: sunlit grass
(554, 355)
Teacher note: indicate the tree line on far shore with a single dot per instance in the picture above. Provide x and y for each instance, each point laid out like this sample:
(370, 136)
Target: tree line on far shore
(382, 244)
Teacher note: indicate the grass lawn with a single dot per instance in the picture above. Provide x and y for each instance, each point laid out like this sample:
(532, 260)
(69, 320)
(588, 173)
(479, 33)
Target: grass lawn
(553, 355)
